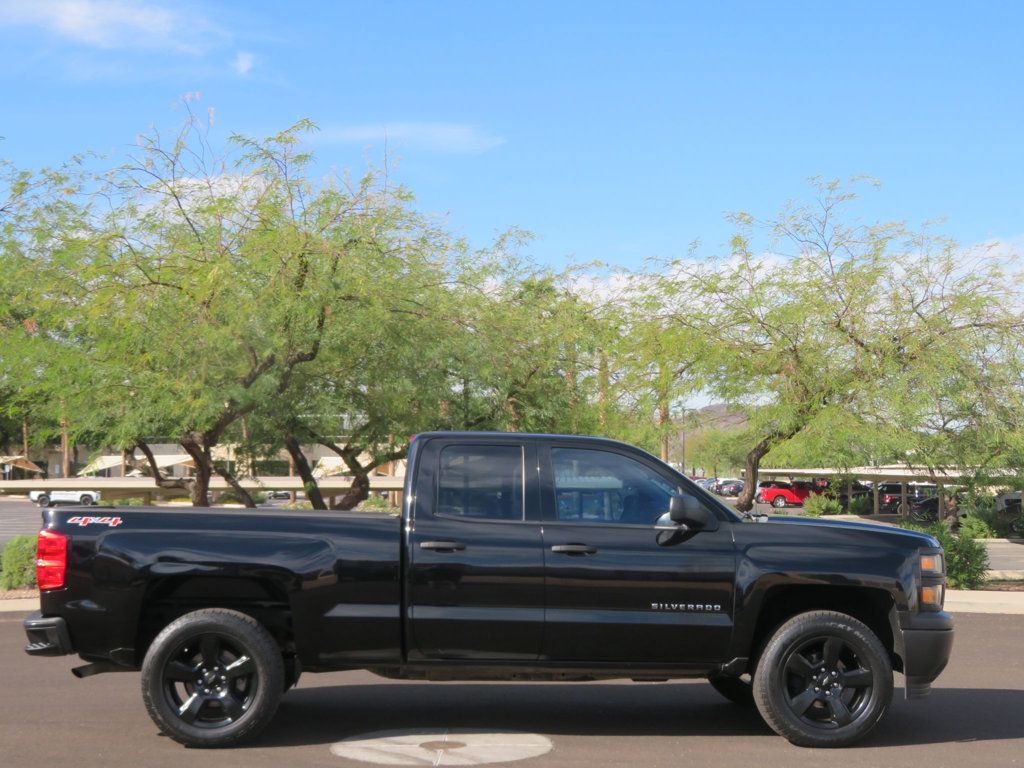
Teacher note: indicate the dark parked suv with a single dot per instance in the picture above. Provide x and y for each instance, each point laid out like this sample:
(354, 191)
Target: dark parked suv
(889, 498)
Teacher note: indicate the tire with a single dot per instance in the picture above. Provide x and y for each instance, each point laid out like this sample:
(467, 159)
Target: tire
(238, 694)
(824, 680)
(43, 501)
(735, 689)
(85, 501)
(779, 502)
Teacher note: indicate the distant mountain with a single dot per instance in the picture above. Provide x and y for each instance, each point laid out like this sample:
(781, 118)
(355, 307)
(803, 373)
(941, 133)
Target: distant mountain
(715, 416)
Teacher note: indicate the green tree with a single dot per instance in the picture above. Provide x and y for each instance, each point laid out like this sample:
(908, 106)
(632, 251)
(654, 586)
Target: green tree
(844, 331)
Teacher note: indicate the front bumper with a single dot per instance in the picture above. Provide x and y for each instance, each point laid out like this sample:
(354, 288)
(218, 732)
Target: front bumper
(927, 645)
(47, 636)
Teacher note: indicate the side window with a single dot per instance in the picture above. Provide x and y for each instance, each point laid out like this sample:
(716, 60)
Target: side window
(481, 481)
(594, 486)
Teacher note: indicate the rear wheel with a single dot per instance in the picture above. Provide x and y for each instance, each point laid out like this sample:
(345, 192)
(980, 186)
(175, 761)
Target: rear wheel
(824, 680)
(212, 678)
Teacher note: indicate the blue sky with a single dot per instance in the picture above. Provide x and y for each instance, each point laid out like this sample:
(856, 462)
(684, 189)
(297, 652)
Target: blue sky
(613, 131)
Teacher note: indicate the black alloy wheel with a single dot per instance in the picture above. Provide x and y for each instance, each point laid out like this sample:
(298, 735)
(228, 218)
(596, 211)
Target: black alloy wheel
(209, 681)
(824, 680)
(826, 685)
(213, 678)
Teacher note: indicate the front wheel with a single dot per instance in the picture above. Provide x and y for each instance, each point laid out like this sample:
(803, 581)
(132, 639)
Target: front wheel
(85, 501)
(824, 680)
(212, 678)
(779, 502)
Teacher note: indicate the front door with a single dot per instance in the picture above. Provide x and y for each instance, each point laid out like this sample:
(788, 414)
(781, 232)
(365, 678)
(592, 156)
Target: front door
(476, 584)
(621, 586)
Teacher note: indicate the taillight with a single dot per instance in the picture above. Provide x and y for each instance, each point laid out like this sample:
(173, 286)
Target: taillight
(51, 559)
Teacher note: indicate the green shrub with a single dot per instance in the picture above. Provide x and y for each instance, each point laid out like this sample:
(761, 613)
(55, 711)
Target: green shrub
(861, 505)
(818, 504)
(975, 527)
(18, 563)
(375, 503)
(130, 502)
(983, 507)
(230, 497)
(966, 559)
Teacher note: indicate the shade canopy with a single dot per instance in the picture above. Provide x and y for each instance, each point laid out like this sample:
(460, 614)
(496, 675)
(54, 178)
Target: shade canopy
(21, 462)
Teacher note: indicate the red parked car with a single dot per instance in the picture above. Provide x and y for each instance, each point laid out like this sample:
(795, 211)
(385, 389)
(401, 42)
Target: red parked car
(780, 494)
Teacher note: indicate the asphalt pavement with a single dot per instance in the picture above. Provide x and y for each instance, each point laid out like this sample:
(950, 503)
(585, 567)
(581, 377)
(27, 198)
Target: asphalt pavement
(17, 517)
(973, 717)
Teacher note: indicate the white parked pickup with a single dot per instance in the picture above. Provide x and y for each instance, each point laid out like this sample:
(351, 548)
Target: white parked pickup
(46, 498)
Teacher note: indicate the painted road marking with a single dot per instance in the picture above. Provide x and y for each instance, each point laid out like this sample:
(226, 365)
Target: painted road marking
(463, 747)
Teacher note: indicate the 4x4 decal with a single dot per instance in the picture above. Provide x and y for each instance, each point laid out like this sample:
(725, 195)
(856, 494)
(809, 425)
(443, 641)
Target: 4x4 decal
(83, 520)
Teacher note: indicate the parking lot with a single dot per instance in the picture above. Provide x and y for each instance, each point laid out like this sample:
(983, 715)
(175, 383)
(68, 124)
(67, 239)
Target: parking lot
(973, 718)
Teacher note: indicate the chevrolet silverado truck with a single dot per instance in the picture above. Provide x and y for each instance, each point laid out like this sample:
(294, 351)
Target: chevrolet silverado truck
(515, 557)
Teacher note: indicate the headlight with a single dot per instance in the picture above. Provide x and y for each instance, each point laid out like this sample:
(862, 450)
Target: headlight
(932, 565)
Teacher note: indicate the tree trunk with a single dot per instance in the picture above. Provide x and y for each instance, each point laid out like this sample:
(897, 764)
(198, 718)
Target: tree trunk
(298, 459)
(158, 478)
(24, 436)
(602, 390)
(200, 490)
(65, 448)
(745, 502)
(357, 492)
(197, 445)
(663, 424)
(231, 480)
(292, 496)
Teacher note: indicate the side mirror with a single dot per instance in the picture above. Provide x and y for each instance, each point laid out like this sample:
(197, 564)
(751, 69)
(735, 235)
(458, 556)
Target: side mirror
(687, 510)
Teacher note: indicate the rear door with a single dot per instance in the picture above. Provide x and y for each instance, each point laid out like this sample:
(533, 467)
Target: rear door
(621, 586)
(476, 574)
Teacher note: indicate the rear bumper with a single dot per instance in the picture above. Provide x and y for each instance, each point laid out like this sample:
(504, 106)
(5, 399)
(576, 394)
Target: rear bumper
(47, 636)
(927, 645)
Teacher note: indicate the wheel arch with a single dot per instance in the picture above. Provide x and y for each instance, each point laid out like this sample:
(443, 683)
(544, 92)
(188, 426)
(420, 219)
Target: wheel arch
(873, 606)
(171, 597)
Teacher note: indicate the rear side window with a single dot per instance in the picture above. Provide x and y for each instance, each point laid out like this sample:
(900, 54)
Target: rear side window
(483, 482)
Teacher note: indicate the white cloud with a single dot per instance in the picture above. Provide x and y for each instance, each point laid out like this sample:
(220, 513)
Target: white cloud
(243, 62)
(112, 24)
(451, 138)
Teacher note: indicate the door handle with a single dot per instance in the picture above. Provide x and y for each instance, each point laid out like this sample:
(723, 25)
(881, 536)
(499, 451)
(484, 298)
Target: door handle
(443, 546)
(574, 549)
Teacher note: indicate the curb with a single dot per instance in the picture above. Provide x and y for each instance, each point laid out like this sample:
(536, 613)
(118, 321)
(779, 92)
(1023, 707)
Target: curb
(979, 601)
(20, 605)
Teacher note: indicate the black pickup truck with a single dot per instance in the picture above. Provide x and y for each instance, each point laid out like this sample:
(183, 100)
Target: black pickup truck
(516, 557)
